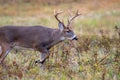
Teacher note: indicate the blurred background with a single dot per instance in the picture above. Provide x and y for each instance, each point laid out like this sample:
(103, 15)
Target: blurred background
(95, 56)
(95, 13)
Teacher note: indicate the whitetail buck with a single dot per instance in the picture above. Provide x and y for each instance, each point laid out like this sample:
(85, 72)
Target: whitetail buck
(36, 37)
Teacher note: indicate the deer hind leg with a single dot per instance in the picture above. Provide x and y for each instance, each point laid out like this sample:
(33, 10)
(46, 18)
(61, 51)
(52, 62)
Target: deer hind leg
(5, 50)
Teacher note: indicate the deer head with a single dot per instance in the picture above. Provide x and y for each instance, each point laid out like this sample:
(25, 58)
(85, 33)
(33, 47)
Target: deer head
(66, 31)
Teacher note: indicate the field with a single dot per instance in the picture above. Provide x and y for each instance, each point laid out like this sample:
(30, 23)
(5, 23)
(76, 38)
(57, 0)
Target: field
(95, 56)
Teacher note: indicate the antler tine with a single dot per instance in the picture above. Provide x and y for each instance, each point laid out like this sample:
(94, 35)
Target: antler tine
(70, 19)
(56, 15)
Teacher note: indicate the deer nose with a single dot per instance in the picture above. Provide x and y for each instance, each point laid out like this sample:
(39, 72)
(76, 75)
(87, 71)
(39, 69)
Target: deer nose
(75, 38)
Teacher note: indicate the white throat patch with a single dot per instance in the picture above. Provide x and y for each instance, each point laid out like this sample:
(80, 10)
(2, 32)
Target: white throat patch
(62, 38)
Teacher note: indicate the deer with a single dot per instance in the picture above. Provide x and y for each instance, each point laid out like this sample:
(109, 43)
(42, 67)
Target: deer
(39, 38)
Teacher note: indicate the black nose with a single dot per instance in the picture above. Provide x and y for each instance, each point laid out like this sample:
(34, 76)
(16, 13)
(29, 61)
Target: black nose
(75, 38)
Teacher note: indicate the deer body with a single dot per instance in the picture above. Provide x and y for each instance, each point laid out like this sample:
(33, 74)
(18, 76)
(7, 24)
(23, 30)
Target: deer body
(36, 37)
(39, 38)
(30, 37)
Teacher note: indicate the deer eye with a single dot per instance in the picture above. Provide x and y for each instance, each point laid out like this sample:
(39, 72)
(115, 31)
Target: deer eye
(68, 31)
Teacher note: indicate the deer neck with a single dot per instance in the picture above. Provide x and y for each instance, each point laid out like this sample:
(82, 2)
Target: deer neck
(57, 37)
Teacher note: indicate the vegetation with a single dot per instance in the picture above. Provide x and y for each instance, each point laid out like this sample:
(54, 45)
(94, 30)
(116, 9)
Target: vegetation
(95, 56)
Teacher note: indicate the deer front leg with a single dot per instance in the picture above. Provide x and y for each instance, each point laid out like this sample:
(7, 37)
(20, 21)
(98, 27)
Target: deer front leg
(44, 55)
(6, 48)
(4, 55)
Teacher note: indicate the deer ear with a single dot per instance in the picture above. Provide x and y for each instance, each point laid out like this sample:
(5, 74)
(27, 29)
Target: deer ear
(61, 26)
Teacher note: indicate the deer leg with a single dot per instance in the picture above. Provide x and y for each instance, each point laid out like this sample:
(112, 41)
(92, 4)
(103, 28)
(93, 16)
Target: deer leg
(0, 50)
(44, 55)
(5, 50)
(4, 56)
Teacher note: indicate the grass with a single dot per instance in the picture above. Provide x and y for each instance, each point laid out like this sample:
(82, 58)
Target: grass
(95, 56)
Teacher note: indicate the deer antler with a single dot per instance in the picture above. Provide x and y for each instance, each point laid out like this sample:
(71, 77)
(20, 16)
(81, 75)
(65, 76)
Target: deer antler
(56, 16)
(72, 18)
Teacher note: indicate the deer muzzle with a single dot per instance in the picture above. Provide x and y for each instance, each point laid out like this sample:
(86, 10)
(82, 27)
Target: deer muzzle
(75, 38)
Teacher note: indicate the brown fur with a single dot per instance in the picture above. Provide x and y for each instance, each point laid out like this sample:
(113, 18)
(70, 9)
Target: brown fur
(35, 37)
